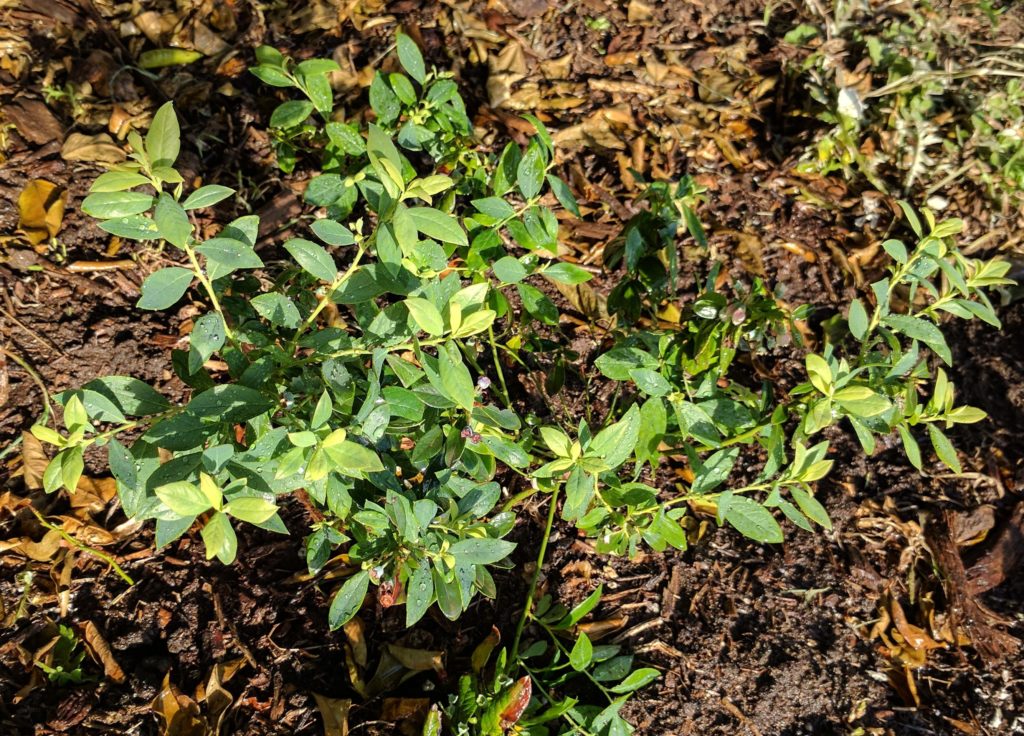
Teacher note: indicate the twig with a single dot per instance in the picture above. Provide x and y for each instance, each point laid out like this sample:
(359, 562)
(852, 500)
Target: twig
(82, 546)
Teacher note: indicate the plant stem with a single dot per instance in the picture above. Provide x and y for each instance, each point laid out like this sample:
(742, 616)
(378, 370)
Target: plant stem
(84, 547)
(528, 604)
(325, 299)
(497, 367)
(214, 302)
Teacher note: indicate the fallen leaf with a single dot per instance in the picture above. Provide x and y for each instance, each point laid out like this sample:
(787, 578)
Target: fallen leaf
(334, 711)
(33, 461)
(419, 660)
(178, 713)
(41, 210)
(100, 651)
(99, 148)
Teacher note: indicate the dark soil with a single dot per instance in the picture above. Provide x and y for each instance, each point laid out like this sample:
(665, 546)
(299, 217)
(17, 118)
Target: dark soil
(768, 641)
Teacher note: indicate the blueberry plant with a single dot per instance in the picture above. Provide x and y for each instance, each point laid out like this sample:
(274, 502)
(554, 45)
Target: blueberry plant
(359, 365)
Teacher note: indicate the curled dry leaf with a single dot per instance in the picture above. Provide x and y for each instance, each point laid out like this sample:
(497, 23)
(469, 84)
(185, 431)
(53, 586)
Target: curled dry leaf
(179, 714)
(41, 210)
(100, 651)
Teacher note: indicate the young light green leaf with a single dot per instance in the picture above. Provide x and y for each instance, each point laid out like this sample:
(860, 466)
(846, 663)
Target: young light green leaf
(219, 538)
(183, 498)
(253, 509)
(425, 315)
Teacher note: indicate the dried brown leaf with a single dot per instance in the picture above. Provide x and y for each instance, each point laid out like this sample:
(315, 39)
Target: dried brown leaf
(100, 651)
(334, 711)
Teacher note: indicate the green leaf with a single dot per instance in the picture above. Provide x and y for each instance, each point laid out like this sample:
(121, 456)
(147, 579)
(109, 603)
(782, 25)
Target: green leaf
(811, 507)
(291, 113)
(455, 377)
(714, 471)
(920, 329)
(563, 194)
(509, 270)
(272, 75)
(944, 448)
(438, 225)
(618, 363)
(650, 382)
(163, 288)
(133, 227)
(420, 594)
(163, 140)
(753, 520)
(411, 58)
(425, 314)
(117, 181)
(229, 403)
(858, 319)
(476, 551)
(253, 509)
(277, 309)
(507, 451)
(384, 101)
(207, 337)
(348, 599)
(910, 446)
(346, 138)
(72, 466)
(580, 610)
(106, 205)
(352, 459)
(582, 653)
(131, 396)
(537, 304)
(313, 258)
(53, 477)
(819, 372)
(579, 492)
(861, 401)
(566, 273)
(172, 221)
(495, 207)
(636, 680)
(207, 196)
(332, 233)
(617, 442)
(219, 538)
(183, 498)
(226, 255)
(530, 172)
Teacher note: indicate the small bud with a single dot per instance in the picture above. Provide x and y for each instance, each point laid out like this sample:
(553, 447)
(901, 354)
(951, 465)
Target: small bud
(475, 439)
(483, 383)
(466, 433)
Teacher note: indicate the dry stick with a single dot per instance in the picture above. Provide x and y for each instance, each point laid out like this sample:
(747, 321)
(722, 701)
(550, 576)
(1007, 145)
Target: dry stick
(82, 546)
